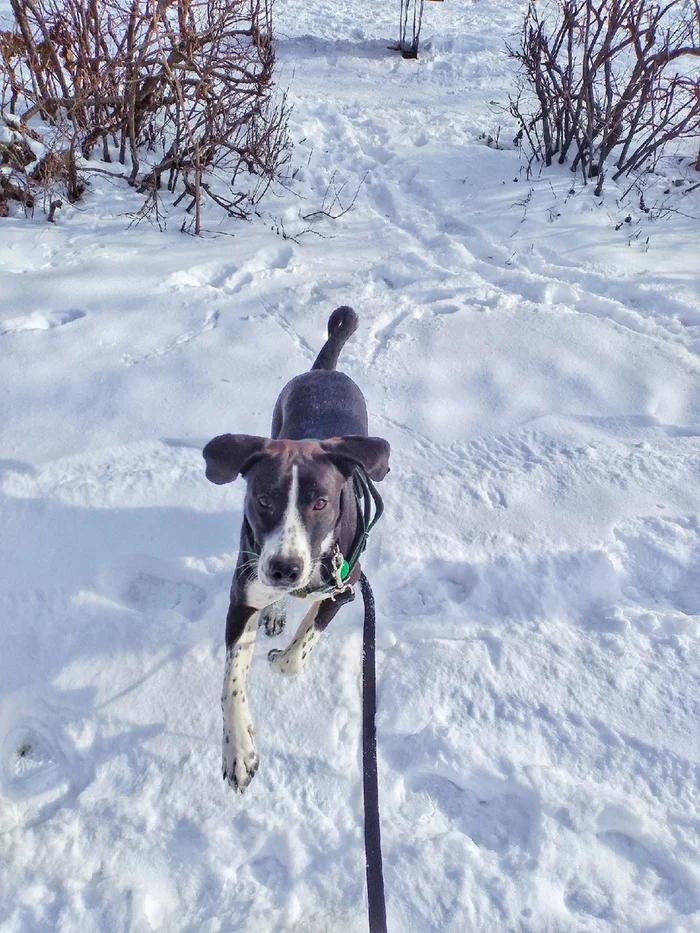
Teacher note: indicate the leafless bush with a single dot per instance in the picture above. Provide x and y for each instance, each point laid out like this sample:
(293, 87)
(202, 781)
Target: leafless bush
(612, 79)
(178, 91)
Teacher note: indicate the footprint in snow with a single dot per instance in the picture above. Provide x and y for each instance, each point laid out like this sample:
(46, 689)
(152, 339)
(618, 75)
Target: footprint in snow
(229, 277)
(146, 592)
(440, 582)
(590, 898)
(661, 562)
(199, 276)
(210, 322)
(496, 498)
(39, 320)
(647, 860)
(39, 761)
(269, 259)
(270, 872)
(146, 584)
(498, 817)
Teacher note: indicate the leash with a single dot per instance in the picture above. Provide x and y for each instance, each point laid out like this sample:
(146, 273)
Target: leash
(370, 510)
(373, 841)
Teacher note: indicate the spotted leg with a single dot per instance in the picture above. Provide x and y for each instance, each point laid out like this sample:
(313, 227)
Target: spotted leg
(294, 657)
(239, 756)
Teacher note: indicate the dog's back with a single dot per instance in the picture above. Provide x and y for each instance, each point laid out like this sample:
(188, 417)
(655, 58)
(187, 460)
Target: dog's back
(323, 403)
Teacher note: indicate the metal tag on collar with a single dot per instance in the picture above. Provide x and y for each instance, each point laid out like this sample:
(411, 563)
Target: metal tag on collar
(340, 568)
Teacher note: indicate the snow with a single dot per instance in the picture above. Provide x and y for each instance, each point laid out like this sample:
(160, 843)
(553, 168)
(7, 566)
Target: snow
(537, 571)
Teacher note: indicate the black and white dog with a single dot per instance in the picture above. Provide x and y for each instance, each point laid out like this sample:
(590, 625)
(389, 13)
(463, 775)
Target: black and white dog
(301, 519)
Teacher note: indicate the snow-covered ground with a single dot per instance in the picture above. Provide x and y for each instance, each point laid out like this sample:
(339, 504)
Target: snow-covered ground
(537, 372)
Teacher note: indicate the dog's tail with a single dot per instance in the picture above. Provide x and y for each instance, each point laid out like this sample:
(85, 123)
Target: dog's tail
(342, 324)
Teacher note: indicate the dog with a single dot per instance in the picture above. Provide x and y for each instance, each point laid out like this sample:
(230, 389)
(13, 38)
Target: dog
(301, 521)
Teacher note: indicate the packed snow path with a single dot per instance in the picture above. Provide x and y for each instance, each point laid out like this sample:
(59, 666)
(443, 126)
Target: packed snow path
(537, 573)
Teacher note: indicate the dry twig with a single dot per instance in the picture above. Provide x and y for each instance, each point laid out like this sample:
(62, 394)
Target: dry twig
(185, 85)
(612, 80)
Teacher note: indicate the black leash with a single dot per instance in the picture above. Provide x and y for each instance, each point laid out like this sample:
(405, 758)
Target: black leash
(370, 510)
(373, 841)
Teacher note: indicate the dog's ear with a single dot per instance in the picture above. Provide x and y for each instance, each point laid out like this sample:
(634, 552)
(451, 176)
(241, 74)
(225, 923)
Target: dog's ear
(371, 453)
(230, 454)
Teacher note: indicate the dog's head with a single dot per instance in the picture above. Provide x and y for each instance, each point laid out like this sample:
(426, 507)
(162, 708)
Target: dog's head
(293, 499)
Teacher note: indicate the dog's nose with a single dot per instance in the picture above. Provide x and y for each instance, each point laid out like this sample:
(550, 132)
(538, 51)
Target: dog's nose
(285, 570)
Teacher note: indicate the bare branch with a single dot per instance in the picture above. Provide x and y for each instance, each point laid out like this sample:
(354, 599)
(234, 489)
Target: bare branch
(183, 85)
(604, 75)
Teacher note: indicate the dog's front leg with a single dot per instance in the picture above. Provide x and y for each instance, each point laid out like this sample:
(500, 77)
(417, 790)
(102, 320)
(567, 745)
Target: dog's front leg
(293, 658)
(239, 756)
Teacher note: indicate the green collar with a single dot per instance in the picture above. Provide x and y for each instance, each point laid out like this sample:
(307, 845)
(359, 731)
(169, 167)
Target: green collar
(370, 509)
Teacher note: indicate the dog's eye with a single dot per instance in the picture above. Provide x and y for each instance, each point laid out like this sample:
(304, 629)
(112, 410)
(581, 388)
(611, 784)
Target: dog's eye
(320, 504)
(265, 502)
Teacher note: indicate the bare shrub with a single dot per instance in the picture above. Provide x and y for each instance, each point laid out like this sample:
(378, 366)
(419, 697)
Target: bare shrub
(178, 91)
(612, 80)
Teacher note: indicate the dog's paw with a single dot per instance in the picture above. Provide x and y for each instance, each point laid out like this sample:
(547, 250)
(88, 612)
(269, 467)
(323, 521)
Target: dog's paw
(285, 662)
(239, 760)
(274, 618)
